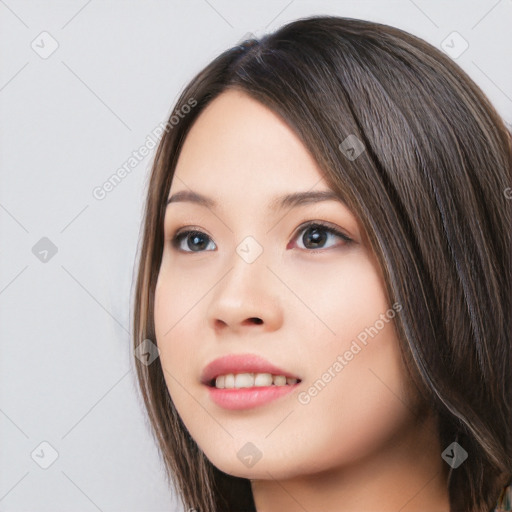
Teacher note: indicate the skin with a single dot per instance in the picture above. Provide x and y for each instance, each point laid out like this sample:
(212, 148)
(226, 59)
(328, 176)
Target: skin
(358, 444)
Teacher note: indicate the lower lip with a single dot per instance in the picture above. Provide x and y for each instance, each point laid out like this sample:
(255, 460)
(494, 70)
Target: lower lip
(247, 398)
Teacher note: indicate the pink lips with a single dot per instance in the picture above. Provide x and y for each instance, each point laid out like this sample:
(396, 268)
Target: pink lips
(244, 398)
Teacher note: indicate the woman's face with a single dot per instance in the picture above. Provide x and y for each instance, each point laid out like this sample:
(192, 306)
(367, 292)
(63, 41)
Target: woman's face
(257, 281)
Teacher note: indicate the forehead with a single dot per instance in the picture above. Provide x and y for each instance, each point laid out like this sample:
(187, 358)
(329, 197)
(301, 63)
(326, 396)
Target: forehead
(238, 144)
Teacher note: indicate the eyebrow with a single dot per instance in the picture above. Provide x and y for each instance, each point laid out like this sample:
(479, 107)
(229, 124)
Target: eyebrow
(287, 201)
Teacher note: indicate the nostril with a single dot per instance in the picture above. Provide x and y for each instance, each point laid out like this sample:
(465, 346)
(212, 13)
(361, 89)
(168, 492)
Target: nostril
(257, 320)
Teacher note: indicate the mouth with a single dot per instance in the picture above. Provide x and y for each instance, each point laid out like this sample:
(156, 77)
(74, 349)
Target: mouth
(245, 371)
(244, 381)
(251, 380)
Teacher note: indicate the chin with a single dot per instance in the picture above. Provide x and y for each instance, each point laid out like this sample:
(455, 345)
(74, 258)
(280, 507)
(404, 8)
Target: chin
(278, 466)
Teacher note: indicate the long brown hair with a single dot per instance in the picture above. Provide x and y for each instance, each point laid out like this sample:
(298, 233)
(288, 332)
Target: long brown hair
(432, 191)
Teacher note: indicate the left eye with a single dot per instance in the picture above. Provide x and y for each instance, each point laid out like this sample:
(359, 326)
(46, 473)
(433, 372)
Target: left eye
(315, 235)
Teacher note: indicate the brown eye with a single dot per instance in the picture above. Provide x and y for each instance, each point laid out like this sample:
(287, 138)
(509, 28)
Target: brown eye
(316, 235)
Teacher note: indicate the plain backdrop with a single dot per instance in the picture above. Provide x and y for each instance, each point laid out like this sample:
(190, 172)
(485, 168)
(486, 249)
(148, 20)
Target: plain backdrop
(82, 84)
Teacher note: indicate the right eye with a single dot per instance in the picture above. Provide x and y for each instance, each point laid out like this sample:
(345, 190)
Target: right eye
(195, 240)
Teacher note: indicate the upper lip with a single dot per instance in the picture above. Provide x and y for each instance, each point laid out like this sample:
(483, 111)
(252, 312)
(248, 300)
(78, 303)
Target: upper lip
(240, 363)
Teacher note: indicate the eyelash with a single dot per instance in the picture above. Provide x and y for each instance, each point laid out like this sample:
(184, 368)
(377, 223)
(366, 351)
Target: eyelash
(178, 236)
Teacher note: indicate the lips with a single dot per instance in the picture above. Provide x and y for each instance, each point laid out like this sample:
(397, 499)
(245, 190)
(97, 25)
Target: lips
(241, 363)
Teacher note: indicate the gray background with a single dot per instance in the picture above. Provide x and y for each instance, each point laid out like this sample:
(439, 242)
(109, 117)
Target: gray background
(67, 122)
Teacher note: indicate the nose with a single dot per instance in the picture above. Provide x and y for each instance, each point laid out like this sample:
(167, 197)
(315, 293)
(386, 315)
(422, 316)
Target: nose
(246, 298)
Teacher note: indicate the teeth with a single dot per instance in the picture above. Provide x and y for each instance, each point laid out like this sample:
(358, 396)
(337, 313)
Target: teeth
(244, 380)
(280, 380)
(249, 380)
(263, 379)
(229, 381)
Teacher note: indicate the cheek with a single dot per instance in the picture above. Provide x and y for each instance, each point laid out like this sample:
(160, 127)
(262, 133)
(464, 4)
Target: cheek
(348, 301)
(360, 411)
(177, 300)
(176, 349)
(362, 400)
(173, 312)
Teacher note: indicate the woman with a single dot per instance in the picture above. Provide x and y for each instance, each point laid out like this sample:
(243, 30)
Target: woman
(342, 340)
